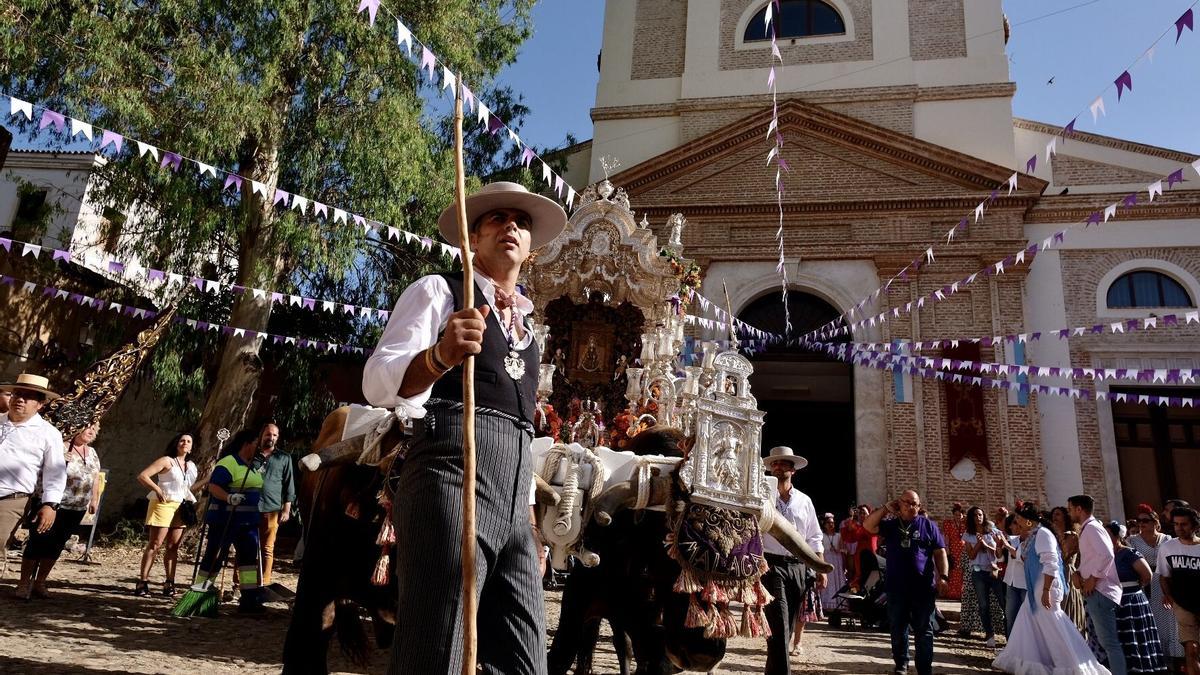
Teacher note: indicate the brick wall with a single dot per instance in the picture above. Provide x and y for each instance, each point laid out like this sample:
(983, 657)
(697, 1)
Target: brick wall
(1068, 170)
(659, 39)
(936, 29)
(798, 51)
(1082, 273)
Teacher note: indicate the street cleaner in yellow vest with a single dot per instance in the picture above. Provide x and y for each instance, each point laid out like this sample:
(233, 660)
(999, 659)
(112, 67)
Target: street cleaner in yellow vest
(233, 518)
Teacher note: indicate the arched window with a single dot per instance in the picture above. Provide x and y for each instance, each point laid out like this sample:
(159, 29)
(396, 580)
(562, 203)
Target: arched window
(1147, 288)
(797, 19)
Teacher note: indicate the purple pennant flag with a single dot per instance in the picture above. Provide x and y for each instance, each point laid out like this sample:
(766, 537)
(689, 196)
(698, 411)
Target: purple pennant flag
(1176, 400)
(6, 244)
(1094, 219)
(1170, 320)
(1132, 324)
(1130, 200)
(50, 290)
(276, 297)
(308, 303)
(468, 99)
(372, 7)
(527, 157)
(202, 325)
(50, 117)
(1184, 21)
(281, 196)
(1098, 329)
(234, 180)
(74, 297)
(171, 159)
(198, 283)
(64, 256)
(155, 275)
(986, 342)
(1062, 334)
(116, 267)
(1069, 130)
(228, 330)
(1031, 164)
(111, 137)
(151, 314)
(494, 124)
(1059, 236)
(1123, 82)
(1176, 177)
(237, 289)
(130, 311)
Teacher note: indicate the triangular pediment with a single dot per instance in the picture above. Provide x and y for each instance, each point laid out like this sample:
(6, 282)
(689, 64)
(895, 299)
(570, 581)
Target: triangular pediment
(833, 158)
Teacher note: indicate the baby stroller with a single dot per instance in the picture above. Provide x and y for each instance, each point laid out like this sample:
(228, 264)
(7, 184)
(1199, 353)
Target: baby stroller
(867, 606)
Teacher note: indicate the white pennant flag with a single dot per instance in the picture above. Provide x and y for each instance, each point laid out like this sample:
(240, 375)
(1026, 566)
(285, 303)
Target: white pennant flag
(448, 79)
(29, 287)
(1097, 108)
(27, 249)
(979, 211)
(78, 127)
(299, 203)
(1110, 211)
(547, 174)
(1051, 148)
(339, 216)
(1154, 188)
(404, 36)
(206, 169)
(257, 187)
(515, 139)
(27, 108)
(144, 148)
(1012, 183)
(1196, 166)
(483, 115)
(239, 332)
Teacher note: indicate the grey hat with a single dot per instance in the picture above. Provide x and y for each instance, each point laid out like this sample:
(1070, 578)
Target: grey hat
(786, 454)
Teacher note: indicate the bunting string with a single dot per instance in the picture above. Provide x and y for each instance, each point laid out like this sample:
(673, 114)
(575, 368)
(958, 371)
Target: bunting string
(102, 305)
(1122, 83)
(888, 363)
(1147, 375)
(173, 162)
(775, 135)
(135, 272)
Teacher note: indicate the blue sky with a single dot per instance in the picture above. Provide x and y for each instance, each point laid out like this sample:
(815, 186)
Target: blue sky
(1083, 44)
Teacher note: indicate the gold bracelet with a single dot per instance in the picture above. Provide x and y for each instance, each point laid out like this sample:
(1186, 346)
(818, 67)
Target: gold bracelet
(433, 368)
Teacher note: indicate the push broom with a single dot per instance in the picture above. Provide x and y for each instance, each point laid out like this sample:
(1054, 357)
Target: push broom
(202, 600)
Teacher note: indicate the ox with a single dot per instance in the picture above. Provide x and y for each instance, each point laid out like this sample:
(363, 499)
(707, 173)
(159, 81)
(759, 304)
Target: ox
(633, 584)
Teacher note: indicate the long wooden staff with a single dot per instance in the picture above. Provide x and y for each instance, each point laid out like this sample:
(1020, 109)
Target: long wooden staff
(470, 633)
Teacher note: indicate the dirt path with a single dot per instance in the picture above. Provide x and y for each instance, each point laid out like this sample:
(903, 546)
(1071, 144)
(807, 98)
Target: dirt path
(94, 624)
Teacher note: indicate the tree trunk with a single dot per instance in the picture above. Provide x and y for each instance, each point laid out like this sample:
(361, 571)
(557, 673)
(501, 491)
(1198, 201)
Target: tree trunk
(260, 263)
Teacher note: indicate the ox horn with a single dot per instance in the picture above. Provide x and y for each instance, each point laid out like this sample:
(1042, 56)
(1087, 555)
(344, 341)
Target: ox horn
(783, 531)
(625, 496)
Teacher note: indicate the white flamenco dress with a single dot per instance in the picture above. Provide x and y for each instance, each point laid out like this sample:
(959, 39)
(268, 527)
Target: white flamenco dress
(1045, 641)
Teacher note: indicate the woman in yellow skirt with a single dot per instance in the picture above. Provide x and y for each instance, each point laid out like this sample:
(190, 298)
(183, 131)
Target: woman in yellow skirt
(171, 480)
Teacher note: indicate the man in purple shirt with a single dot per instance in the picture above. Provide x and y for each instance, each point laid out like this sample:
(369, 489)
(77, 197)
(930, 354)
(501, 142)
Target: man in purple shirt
(917, 570)
(1097, 578)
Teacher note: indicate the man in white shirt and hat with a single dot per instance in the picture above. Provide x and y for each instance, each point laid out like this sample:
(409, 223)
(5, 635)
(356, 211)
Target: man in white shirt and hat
(785, 580)
(415, 367)
(30, 449)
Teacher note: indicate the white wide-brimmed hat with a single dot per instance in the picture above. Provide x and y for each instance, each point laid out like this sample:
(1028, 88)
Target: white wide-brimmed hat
(547, 218)
(785, 454)
(32, 383)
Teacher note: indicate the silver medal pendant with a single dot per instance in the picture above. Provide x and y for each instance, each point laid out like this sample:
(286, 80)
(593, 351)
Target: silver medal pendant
(514, 365)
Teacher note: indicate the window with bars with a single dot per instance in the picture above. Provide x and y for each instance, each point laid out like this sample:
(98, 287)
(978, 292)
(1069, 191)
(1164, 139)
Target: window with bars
(797, 19)
(1147, 288)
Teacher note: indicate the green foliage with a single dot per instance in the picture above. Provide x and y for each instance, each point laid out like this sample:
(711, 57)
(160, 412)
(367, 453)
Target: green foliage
(126, 533)
(301, 94)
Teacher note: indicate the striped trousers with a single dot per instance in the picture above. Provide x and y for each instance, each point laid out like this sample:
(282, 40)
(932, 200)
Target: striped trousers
(428, 520)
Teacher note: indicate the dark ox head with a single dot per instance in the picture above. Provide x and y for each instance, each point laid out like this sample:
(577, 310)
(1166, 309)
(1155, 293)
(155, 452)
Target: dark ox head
(637, 550)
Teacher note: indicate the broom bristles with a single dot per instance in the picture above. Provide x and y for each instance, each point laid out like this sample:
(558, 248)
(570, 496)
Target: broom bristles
(197, 603)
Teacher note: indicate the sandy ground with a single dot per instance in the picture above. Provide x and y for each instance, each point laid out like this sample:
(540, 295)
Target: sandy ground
(93, 624)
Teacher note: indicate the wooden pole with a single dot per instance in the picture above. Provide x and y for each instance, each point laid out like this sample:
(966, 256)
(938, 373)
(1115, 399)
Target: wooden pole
(470, 601)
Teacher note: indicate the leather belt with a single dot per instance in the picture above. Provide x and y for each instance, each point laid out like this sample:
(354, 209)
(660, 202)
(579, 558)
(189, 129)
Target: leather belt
(14, 495)
(791, 560)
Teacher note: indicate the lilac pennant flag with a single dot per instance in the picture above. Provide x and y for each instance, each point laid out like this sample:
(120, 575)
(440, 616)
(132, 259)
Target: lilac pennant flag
(155, 275)
(427, 61)
(50, 117)
(494, 124)
(372, 7)
(468, 99)
(308, 303)
(64, 256)
(111, 137)
(6, 244)
(171, 159)
(234, 180)
(320, 209)
(1184, 21)
(527, 157)
(276, 298)
(281, 196)
(1123, 82)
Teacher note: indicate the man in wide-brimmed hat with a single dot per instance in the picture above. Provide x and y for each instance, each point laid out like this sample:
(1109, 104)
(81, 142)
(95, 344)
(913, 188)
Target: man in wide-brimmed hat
(416, 367)
(30, 449)
(786, 580)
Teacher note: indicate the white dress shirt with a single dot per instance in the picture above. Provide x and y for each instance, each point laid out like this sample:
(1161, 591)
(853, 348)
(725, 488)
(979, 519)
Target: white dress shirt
(28, 450)
(418, 318)
(799, 511)
(1096, 559)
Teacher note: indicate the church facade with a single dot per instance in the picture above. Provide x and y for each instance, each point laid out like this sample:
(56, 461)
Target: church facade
(897, 121)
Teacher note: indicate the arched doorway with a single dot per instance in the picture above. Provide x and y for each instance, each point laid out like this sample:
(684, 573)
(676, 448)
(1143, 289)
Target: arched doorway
(808, 399)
